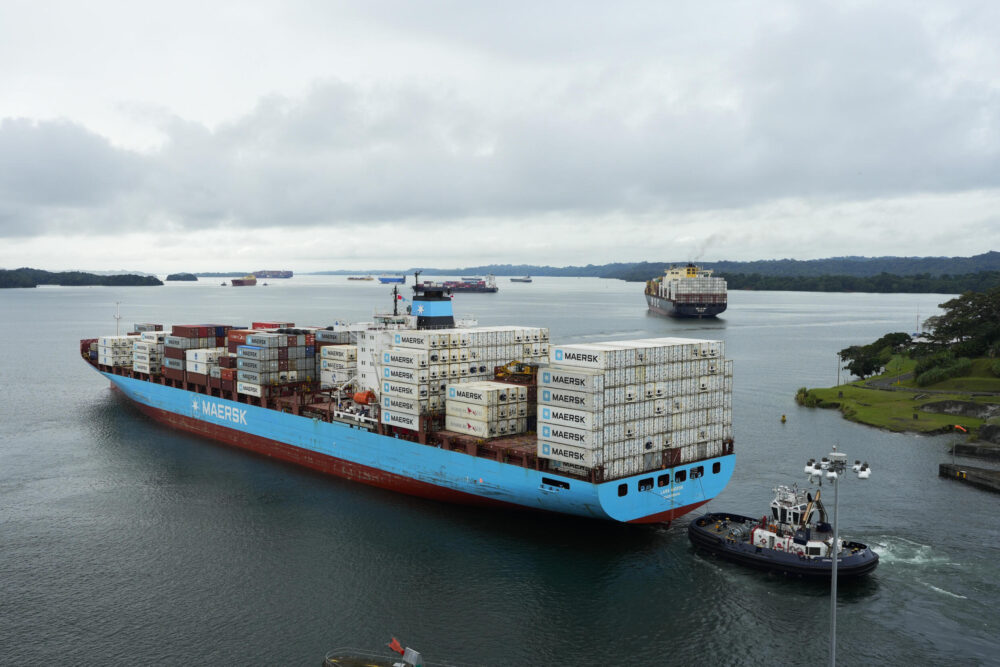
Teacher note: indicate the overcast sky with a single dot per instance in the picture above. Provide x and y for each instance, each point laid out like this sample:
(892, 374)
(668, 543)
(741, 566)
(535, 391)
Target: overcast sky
(316, 135)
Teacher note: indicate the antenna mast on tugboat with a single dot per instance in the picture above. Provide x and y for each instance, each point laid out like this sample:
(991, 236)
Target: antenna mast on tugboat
(833, 466)
(118, 316)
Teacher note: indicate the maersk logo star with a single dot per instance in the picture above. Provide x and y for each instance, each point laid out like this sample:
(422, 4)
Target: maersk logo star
(194, 405)
(420, 310)
(559, 355)
(545, 450)
(546, 377)
(546, 431)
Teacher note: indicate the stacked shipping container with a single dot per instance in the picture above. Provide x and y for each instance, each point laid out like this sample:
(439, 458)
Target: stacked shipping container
(269, 359)
(486, 409)
(632, 406)
(412, 370)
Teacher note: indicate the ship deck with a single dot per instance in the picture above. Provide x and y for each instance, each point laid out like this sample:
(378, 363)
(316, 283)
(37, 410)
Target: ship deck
(308, 401)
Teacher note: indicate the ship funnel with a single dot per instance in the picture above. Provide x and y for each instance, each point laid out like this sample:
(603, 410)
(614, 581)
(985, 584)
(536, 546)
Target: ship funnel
(431, 305)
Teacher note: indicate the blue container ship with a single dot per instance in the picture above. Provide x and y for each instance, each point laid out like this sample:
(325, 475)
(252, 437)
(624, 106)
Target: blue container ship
(365, 428)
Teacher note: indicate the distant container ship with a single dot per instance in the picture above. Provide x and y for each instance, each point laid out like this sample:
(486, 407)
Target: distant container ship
(634, 431)
(273, 274)
(386, 279)
(687, 291)
(468, 284)
(248, 280)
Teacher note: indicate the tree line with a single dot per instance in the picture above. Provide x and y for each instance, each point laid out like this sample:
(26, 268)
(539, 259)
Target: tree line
(968, 328)
(884, 283)
(25, 277)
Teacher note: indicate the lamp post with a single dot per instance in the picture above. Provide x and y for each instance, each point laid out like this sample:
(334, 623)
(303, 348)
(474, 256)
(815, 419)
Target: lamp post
(833, 466)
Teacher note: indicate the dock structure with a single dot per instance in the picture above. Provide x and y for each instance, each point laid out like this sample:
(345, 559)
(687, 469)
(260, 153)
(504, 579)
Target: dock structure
(982, 478)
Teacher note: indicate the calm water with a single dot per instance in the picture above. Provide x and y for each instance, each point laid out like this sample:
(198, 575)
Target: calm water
(124, 542)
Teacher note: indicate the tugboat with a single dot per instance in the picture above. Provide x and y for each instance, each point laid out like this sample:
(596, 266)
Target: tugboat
(795, 540)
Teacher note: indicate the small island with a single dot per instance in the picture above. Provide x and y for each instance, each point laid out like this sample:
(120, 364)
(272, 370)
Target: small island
(181, 276)
(26, 277)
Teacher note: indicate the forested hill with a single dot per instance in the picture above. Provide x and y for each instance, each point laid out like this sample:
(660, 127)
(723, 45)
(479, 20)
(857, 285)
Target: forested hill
(859, 267)
(34, 277)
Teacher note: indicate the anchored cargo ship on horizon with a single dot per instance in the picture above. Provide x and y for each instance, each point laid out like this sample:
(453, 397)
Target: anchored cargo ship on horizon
(687, 291)
(634, 431)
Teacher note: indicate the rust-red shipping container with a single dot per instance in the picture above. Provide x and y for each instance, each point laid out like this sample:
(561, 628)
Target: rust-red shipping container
(227, 373)
(199, 379)
(226, 361)
(282, 353)
(173, 352)
(227, 385)
(239, 336)
(215, 383)
(173, 374)
(283, 364)
(185, 331)
(271, 325)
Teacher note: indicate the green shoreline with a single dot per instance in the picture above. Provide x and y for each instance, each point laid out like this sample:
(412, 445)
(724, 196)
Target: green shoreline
(893, 406)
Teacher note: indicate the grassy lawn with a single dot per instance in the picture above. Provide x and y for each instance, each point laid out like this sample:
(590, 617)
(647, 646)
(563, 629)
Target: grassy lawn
(892, 410)
(895, 410)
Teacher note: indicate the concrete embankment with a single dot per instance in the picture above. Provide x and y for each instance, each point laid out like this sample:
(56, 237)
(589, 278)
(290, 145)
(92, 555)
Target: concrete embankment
(980, 451)
(982, 478)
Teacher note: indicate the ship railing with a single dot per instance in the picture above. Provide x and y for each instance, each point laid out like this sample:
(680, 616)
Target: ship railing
(354, 416)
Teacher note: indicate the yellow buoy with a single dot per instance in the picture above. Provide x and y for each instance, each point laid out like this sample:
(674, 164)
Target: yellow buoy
(783, 419)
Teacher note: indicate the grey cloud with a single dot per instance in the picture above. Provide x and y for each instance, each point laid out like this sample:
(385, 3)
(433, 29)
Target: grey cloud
(830, 103)
(51, 169)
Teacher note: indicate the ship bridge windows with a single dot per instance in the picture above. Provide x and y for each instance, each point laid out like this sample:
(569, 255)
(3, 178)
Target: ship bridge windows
(622, 490)
(698, 471)
(716, 468)
(680, 476)
(784, 515)
(646, 484)
(663, 480)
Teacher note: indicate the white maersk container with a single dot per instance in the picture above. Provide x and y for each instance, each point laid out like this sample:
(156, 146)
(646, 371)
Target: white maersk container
(407, 375)
(482, 393)
(401, 419)
(410, 406)
(249, 389)
(475, 411)
(208, 355)
(415, 391)
(329, 379)
(568, 454)
(474, 427)
(573, 379)
(421, 340)
(337, 365)
(559, 416)
(571, 436)
(577, 400)
(340, 352)
(406, 358)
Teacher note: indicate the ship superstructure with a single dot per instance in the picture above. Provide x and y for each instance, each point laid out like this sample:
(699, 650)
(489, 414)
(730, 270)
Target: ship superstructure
(687, 291)
(635, 431)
